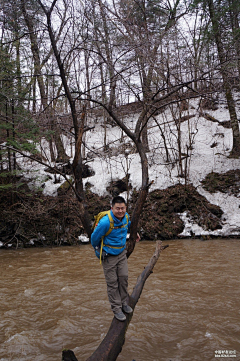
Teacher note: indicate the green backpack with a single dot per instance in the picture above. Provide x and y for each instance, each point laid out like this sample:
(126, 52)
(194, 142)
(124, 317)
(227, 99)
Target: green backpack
(111, 227)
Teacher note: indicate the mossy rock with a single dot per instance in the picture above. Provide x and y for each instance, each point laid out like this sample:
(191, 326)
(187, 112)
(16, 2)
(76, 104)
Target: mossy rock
(64, 187)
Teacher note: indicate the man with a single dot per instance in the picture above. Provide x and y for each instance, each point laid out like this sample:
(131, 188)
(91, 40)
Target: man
(115, 265)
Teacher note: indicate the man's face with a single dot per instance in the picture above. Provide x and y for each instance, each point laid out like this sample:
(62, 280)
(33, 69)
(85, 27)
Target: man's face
(119, 210)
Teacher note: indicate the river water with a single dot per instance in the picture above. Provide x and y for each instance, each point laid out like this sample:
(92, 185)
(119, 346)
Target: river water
(52, 299)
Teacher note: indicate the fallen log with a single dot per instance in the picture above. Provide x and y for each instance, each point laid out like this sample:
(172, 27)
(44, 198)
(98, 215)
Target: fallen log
(68, 355)
(225, 124)
(112, 344)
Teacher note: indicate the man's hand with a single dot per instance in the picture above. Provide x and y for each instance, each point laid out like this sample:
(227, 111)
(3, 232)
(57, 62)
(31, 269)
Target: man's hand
(138, 237)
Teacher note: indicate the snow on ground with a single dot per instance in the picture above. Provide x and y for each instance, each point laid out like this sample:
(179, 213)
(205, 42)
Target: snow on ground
(210, 145)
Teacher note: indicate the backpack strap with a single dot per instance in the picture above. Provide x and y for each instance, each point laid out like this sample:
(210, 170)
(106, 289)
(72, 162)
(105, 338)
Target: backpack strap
(111, 223)
(108, 232)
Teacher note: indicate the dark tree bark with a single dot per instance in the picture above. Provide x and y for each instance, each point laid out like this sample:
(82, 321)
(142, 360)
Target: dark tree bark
(234, 11)
(68, 355)
(112, 344)
(226, 82)
(110, 65)
(61, 154)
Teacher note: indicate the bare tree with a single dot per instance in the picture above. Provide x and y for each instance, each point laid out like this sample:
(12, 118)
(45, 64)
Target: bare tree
(218, 17)
(140, 54)
(78, 130)
(38, 64)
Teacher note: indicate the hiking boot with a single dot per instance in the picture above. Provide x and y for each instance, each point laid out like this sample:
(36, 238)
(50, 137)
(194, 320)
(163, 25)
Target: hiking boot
(127, 309)
(120, 316)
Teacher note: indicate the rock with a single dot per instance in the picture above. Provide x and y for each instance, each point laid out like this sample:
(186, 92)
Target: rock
(118, 186)
(64, 187)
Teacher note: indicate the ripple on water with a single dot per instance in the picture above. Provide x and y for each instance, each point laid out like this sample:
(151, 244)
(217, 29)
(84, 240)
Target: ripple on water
(56, 298)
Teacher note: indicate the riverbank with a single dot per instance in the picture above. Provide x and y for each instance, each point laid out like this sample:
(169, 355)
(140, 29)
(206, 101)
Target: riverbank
(34, 220)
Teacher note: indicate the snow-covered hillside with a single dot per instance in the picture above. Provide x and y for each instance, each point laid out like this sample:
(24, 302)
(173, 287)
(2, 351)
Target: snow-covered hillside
(209, 145)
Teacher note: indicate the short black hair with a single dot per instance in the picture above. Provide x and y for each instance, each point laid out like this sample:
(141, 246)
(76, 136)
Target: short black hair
(118, 199)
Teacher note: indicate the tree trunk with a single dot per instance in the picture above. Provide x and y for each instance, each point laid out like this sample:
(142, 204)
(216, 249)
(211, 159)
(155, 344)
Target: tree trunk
(141, 127)
(107, 45)
(141, 197)
(112, 344)
(77, 163)
(234, 16)
(228, 91)
(38, 73)
(77, 170)
(62, 157)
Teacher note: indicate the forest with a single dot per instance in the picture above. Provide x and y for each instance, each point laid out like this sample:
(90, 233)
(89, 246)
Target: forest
(135, 67)
(123, 82)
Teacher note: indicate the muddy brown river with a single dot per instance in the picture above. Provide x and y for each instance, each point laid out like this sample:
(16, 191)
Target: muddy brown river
(51, 299)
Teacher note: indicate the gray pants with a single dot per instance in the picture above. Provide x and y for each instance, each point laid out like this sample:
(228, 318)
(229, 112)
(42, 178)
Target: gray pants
(116, 274)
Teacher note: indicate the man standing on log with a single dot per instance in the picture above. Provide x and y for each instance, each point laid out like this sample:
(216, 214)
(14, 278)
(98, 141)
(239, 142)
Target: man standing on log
(112, 231)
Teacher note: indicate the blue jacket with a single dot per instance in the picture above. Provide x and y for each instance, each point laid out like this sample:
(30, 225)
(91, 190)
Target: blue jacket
(117, 238)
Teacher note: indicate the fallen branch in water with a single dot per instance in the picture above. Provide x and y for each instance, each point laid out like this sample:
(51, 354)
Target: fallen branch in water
(112, 344)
